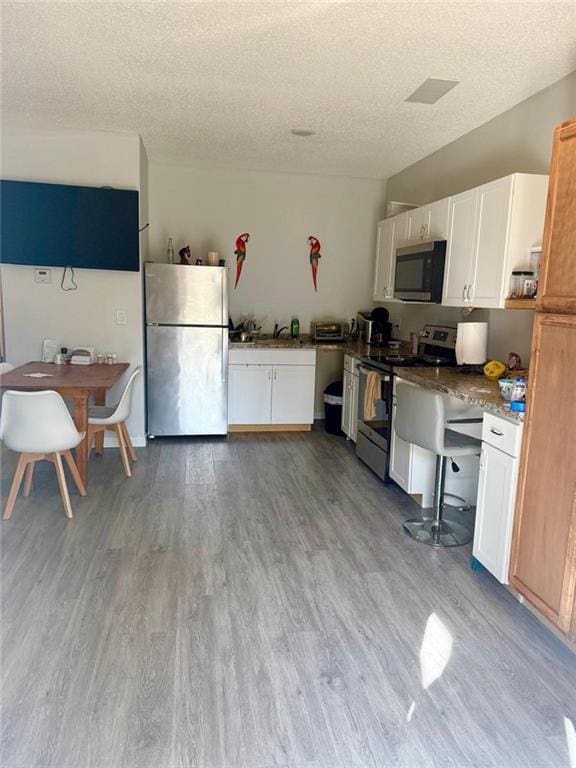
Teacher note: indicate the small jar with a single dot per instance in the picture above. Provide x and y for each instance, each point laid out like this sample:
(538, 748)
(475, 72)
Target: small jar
(522, 284)
(109, 358)
(99, 359)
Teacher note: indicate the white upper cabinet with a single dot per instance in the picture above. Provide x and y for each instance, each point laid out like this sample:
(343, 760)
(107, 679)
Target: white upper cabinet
(392, 233)
(438, 219)
(460, 247)
(490, 232)
(493, 203)
(429, 222)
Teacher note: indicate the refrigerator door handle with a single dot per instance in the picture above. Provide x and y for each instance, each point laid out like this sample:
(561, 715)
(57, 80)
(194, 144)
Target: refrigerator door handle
(224, 355)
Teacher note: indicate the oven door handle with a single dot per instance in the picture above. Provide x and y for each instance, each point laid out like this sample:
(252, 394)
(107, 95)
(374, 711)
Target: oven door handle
(383, 376)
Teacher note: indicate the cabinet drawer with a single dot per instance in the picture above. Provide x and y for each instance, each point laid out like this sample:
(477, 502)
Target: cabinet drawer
(502, 434)
(263, 356)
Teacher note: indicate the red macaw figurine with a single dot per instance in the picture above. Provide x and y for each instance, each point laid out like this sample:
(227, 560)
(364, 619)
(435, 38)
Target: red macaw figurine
(314, 256)
(240, 254)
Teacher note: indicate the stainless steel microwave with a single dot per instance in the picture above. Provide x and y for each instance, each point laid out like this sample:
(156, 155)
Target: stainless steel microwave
(419, 274)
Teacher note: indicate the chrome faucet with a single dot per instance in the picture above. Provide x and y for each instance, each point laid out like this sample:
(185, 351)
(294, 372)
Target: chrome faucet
(278, 331)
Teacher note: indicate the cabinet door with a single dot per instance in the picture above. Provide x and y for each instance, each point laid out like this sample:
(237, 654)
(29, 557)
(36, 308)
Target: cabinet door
(293, 394)
(419, 223)
(493, 217)
(495, 511)
(460, 248)
(557, 289)
(346, 402)
(544, 546)
(249, 394)
(354, 408)
(400, 453)
(438, 219)
(391, 234)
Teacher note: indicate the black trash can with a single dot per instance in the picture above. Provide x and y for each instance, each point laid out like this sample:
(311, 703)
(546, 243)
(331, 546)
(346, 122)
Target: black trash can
(333, 408)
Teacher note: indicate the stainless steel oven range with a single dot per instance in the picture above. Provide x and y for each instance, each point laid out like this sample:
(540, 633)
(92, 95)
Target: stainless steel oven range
(376, 372)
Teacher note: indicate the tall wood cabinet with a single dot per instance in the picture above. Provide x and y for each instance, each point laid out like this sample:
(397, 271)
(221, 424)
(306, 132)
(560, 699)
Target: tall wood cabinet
(557, 289)
(543, 564)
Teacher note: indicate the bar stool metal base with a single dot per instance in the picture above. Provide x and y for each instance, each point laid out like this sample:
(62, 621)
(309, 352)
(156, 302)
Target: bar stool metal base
(442, 534)
(438, 532)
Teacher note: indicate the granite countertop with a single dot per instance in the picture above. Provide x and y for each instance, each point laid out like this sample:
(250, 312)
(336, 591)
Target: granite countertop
(476, 390)
(355, 348)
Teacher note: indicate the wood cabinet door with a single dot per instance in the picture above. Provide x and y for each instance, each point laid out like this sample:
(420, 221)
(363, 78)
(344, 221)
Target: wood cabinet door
(293, 394)
(557, 288)
(490, 243)
(249, 394)
(460, 249)
(543, 564)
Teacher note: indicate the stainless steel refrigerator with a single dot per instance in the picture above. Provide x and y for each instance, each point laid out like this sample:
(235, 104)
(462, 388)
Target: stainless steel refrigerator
(186, 349)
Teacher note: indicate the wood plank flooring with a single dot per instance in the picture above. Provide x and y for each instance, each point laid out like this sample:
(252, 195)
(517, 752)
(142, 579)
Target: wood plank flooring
(254, 603)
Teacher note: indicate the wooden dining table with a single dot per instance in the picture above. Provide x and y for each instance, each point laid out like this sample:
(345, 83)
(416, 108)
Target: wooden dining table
(75, 382)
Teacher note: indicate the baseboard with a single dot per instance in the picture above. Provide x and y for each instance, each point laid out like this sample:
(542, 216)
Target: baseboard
(110, 441)
(269, 427)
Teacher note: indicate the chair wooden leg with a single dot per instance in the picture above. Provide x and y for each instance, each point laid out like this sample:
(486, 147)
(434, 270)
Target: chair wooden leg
(18, 475)
(74, 472)
(123, 452)
(29, 476)
(63, 486)
(128, 441)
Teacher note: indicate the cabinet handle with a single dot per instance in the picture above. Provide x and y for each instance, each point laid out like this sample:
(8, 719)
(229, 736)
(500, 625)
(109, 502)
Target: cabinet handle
(469, 292)
(496, 432)
(275, 374)
(269, 375)
(464, 292)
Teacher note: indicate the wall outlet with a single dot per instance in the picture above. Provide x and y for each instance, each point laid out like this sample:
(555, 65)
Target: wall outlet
(120, 317)
(43, 276)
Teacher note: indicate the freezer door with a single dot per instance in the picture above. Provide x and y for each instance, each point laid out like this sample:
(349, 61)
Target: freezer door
(185, 295)
(187, 388)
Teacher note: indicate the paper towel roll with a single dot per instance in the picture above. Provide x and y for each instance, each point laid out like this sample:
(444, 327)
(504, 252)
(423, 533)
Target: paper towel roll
(471, 343)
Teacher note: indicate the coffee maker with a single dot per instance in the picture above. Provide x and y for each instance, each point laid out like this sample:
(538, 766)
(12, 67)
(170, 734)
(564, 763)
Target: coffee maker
(374, 327)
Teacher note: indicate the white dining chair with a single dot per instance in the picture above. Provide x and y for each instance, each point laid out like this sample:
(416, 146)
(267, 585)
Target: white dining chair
(5, 368)
(103, 417)
(38, 426)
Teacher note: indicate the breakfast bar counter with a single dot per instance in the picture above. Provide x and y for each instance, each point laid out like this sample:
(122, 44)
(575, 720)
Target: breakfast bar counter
(476, 390)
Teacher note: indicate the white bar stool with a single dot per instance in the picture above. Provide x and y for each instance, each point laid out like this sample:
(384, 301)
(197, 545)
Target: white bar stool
(421, 419)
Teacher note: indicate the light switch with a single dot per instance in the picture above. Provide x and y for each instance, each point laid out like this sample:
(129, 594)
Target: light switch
(43, 276)
(120, 317)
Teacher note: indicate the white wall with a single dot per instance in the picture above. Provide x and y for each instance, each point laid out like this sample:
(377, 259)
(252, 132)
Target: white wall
(519, 140)
(86, 316)
(209, 209)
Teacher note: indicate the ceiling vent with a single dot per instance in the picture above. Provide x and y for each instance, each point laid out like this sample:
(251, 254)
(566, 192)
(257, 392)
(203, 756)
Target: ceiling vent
(431, 90)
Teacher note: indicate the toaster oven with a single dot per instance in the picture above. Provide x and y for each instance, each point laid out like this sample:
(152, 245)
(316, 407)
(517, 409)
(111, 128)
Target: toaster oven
(335, 331)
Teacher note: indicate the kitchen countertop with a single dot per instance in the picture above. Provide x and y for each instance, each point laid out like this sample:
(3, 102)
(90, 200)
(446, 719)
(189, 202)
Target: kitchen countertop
(476, 390)
(355, 349)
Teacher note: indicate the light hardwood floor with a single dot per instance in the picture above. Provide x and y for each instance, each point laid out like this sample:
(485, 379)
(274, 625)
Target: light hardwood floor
(254, 603)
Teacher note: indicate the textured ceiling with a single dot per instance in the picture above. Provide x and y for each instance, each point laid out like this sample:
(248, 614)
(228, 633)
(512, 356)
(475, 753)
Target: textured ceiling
(220, 84)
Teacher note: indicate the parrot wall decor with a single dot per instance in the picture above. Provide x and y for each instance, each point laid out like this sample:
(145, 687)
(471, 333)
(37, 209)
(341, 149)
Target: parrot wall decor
(314, 256)
(240, 253)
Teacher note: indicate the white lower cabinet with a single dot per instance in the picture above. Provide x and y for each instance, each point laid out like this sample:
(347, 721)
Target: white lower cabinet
(249, 394)
(293, 394)
(270, 386)
(350, 398)
(499, 464)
